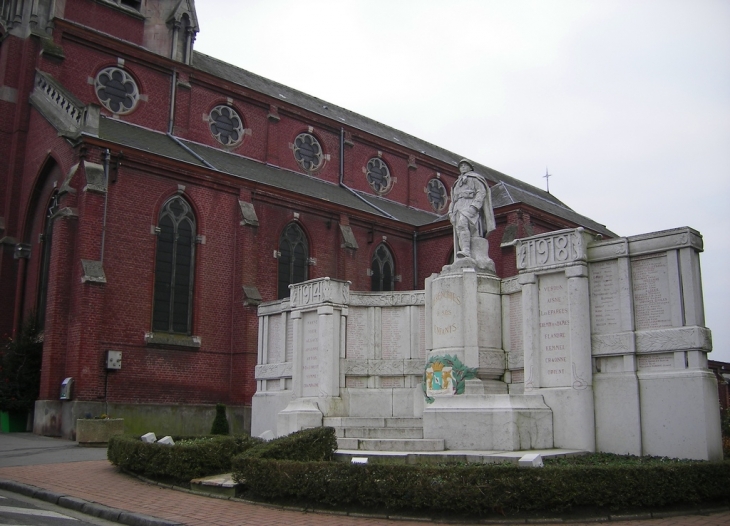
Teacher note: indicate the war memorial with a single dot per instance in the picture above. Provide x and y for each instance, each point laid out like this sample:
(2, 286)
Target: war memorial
(596, 345)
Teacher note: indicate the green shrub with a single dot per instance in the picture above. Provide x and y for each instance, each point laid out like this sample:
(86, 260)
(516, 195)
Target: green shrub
(308, 445)
(20, 368)
(483, 489)
(186, 460)
(220, 422)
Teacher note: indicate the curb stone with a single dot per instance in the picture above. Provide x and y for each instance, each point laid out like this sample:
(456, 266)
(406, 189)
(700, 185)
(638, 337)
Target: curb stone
(89, 508)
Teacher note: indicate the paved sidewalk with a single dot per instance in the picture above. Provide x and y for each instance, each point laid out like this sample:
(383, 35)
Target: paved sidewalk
(97, 481)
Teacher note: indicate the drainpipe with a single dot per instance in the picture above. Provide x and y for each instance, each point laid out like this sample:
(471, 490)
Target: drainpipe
(342, 178)
(106, 202)
(173, 92)
(415, 260)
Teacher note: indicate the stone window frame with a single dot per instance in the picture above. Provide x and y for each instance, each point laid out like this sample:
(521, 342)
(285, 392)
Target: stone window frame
(377, 170)
(292, 241)
(131, 89)
(170, 313)
(381, 262)
(307, 148)
(431, 191)
(240, 129)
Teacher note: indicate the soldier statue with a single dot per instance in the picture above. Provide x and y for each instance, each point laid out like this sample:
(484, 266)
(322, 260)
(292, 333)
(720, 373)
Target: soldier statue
(472, 216)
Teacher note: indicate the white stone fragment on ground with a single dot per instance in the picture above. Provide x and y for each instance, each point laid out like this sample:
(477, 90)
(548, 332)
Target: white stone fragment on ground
(149, 438)
(267, 435)
(531, 460)
(168, 441)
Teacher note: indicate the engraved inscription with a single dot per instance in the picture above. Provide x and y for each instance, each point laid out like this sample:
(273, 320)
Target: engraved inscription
(421, 351)
(276, 340)
(356, 382)
(653, 361)
(555, 369)
(395, 334)
(515, 323)
(357, 331)
(389, 382)
(289, 339)
(651, 293)
(552, 249)
(310, 355)
(446, 322)
(605, 308)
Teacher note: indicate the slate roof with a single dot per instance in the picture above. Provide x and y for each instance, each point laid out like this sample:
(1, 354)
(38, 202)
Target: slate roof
(512, 190)
(159, 143)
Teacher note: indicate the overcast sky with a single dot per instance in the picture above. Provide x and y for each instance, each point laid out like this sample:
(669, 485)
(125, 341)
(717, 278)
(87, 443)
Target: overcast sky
(626, 103)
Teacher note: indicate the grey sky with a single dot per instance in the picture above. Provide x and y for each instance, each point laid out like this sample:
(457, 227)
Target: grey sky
(627, 103)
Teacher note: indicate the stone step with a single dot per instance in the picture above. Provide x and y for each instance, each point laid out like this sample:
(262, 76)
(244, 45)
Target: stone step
(391, 444)
(371, 422)
(381, 432)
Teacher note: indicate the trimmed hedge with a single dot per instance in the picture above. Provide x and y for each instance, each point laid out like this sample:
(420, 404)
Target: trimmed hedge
(479, 490)
(200, 457)
(308, 445)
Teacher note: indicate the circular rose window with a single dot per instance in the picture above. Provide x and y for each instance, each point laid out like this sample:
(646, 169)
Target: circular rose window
(116, 90)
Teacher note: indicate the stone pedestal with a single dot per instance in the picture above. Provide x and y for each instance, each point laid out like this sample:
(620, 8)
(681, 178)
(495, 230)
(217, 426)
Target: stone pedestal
(490, 422)
(464, 319)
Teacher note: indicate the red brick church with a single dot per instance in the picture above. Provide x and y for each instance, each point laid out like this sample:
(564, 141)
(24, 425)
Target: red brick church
(151, 197)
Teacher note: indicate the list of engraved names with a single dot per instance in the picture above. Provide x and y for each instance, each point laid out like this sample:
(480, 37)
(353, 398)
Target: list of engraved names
(310, 355)
(395, 333)
(554, 331)
(357, 326)
(651, 293)
(605, 309)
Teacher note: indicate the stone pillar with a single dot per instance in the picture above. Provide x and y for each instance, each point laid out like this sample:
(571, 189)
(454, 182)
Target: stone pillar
(678, 393)
(317, 308)
(615, 383)
(556, 332)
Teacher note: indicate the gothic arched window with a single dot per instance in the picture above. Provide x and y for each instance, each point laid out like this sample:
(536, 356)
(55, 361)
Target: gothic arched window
(382, 270)
(174, 267)
(293, 256)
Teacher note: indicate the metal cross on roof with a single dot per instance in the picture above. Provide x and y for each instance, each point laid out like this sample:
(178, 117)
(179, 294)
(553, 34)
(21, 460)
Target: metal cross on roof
(547, 177)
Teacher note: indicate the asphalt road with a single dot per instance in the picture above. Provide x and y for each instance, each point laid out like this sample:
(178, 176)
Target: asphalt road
(27, 449)
(20, 511)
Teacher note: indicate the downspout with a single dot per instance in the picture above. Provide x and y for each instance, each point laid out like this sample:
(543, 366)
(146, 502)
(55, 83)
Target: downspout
(173, 92)
(106, 202)
(191, 152)
(415, 260)
(342, 178)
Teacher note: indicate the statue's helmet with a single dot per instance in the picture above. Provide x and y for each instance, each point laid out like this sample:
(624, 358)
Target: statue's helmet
(466, 162)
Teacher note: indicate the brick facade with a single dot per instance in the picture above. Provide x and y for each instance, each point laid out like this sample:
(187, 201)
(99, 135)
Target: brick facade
(83, 318)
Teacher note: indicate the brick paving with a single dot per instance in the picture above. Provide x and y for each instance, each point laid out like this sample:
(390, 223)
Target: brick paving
(98, 481)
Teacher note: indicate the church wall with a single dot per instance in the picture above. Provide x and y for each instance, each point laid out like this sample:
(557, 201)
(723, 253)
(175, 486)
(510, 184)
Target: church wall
(84, 60)
(194, 106)
(106, 19)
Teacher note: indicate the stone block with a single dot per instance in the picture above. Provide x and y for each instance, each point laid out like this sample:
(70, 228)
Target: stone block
(490, 422)
(149, 438)
(531, 460)
(166, 441)
(98, 431)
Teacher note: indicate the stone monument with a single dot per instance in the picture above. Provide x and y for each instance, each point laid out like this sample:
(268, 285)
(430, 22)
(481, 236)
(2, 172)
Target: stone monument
(472, 216)
(469, 405)
(596, 345)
